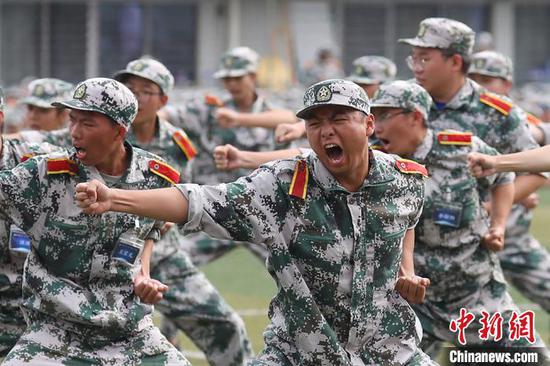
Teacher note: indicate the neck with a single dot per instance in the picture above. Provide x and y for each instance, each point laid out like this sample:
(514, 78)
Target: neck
(145, 131)
(449, 90)
(354, 180)
(115, 163)
(245, 104)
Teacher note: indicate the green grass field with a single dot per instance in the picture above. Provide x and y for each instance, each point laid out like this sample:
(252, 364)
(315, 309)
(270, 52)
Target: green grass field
(247, 286)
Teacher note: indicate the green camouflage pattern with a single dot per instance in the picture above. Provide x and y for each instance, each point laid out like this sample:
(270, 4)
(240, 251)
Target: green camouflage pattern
(12, 323)
(372, 70)
(106, 96)
(198, 120)
(71, 286)
(403, 94)
(238, 61)
(524, 260)
(465, 112)
(443, 33)
(195, 307)
(492, 63)
(44, 92)
(192, 303)
(61, 137)
(149, 69)
(335, 257)
(334, 92)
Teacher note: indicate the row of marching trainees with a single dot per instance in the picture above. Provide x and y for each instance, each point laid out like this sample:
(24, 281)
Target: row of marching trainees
(379, 238)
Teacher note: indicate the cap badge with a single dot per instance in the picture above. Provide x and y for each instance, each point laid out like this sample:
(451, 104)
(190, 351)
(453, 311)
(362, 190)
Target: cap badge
(323, 94)
(80, 92)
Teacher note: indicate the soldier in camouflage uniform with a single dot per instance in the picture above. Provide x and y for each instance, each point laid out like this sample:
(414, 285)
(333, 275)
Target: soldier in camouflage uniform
(526, 263)
(335, 223)
(41, 115)
(78, 294)
(455, 242)
(14, 247)
(370, 71)
(191, 303)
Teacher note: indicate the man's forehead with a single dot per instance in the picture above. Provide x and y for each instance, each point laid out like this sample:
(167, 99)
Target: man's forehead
(138, 80)
(424, 50)
(330, 110)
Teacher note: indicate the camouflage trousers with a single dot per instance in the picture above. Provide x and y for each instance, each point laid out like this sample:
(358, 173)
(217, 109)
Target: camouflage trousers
(195, 307)
(493, 298)
(203, 249)
(44, 343)
(273, 355)
(524, 261)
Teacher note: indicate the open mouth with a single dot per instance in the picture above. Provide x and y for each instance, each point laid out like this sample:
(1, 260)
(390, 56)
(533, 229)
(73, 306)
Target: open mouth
(334, 152)
(80, 153)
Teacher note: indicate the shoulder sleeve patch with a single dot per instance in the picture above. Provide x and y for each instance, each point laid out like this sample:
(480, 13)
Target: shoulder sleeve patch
(185, 144)
(165, 171)
(26, 157)
(213, 101)
(411, 167)
(61, 166)
(454, 138)
(298, 186)
(533, 120)
(496, 102)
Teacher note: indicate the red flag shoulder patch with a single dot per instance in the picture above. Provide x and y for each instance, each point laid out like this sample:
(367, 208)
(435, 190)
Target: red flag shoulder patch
(213, 101)
(496, 102)
(61, 166)
(298, 186)
(26, 157)
(410, 167)
(165, 171)
(454, 138)
(185, 144)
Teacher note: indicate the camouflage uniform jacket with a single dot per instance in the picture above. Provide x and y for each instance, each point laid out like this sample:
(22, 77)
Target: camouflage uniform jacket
(334, 254)
(164, 144)
(451, 256)
(498, 123)
(70, 278)
(203, 129)
(11, 262)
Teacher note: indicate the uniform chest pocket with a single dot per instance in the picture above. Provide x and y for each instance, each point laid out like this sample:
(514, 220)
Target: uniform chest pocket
(314, 248)
(454, 206)
(64, 246)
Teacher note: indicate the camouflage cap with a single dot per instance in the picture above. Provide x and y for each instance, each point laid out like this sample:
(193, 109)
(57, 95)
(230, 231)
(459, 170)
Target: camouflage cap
(493, 64)
(43, 92)
(403, 94)
(237, 62)
(149, 69)
(106, 96)
(334, 92)
(445, 34)
(372, 70)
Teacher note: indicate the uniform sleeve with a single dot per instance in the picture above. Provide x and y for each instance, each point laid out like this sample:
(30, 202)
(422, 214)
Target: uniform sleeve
(250, 209)
(419, 196)
(512, 134)
(21, 193)
(60, 137)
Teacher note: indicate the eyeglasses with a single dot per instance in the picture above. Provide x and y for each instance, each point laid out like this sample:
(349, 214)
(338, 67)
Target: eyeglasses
(388, 115)
(416, 63)
(144, 94)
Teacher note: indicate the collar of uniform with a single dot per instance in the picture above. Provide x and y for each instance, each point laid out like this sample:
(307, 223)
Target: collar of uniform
(461, 98)
(131, 137)
(257, 106)
(133, 174)
(379, 173)
(425, 146)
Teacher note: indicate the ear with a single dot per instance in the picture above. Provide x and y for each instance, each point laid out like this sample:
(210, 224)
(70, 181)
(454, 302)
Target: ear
(457, 62)
(163, 99)
(369, 124)
(120, 134)
(418, 119)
